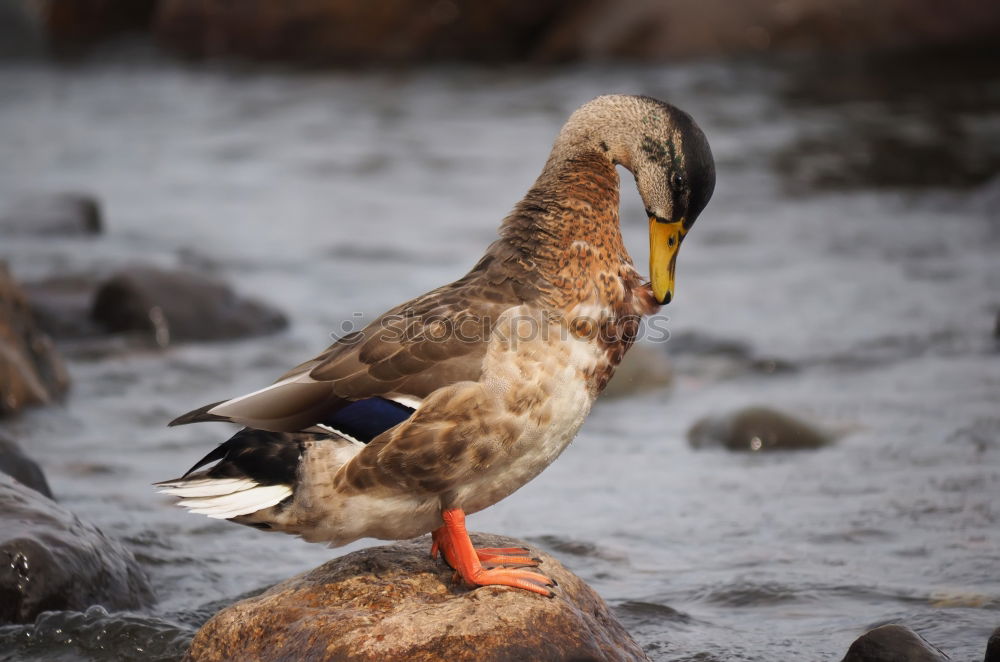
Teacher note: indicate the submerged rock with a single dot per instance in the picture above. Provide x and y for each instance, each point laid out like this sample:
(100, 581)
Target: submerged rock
(31, 371)
(709, 358)
(758, 429)
(176, 305)
(61, 306)
(643, 368)
(396, 603)
(893, 643)
(16, 464)
(143, 304)
(64, 214)
(50, 560)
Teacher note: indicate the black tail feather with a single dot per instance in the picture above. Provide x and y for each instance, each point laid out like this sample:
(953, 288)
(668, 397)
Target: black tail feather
(217, 454)
(268, 458)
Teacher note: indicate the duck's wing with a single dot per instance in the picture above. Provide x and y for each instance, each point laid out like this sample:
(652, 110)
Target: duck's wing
(409, 352)
(468, 430)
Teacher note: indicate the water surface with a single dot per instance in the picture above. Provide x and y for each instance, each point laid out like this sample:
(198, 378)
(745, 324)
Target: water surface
(822, 279)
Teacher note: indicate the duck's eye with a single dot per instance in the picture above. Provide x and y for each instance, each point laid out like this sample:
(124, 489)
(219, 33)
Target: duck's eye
(677, 181)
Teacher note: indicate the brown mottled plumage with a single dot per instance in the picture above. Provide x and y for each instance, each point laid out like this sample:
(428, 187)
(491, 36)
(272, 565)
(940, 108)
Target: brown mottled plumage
(499, 368)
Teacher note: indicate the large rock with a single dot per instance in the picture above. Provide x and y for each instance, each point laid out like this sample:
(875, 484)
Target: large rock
(16, 464)
(175, 305)
(993, 647)
(31, 371)
(50, 559)
(757, 429)
(65, 214)
(396, 603)
(893, 643)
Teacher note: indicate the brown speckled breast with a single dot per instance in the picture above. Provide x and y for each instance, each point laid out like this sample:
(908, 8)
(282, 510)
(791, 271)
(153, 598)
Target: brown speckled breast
(569, 222)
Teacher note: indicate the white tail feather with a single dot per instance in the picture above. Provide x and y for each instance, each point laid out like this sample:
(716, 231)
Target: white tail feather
(205, 487)
(225, 498)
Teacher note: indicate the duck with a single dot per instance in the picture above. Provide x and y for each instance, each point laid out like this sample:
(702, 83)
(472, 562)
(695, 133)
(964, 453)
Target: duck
(450, 402)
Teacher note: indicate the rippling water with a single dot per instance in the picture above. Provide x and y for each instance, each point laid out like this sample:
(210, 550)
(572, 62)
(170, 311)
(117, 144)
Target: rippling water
(846, 270)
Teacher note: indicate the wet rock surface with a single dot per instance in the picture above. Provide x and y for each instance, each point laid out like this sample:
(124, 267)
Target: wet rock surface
(893, 643)
(51, 560)
(758, 429)
(95, 635)
(16, 464)
(993, 647)
(396, 603)
(31, 371)
(63, 214)
(172, 306)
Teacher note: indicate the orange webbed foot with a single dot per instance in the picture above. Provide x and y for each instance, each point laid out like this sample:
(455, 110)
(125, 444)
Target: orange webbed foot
(493, 556)
(452, 541)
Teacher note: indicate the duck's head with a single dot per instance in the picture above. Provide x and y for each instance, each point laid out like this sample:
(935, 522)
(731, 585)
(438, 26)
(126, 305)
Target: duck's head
(671, 160)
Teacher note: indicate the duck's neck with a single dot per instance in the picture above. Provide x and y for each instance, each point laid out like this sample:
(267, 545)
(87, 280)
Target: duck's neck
(567, 224)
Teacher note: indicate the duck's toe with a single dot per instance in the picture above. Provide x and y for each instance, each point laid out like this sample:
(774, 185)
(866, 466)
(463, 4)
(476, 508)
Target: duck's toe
(506, 556)
(526, 579)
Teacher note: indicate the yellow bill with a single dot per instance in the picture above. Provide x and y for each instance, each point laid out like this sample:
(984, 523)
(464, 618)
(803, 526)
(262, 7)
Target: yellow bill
(664, 240)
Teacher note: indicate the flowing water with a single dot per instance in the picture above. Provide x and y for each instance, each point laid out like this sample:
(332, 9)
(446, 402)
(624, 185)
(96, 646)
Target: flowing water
(847, 270)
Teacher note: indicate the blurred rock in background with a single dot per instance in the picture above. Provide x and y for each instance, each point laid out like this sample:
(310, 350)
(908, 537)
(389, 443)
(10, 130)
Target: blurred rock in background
(892, 642)
(175, 306)
(31, 370)
(60, 214)
(757, 429)
(355, 31)
(19, 466)
(405, 31)
(65, 25)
